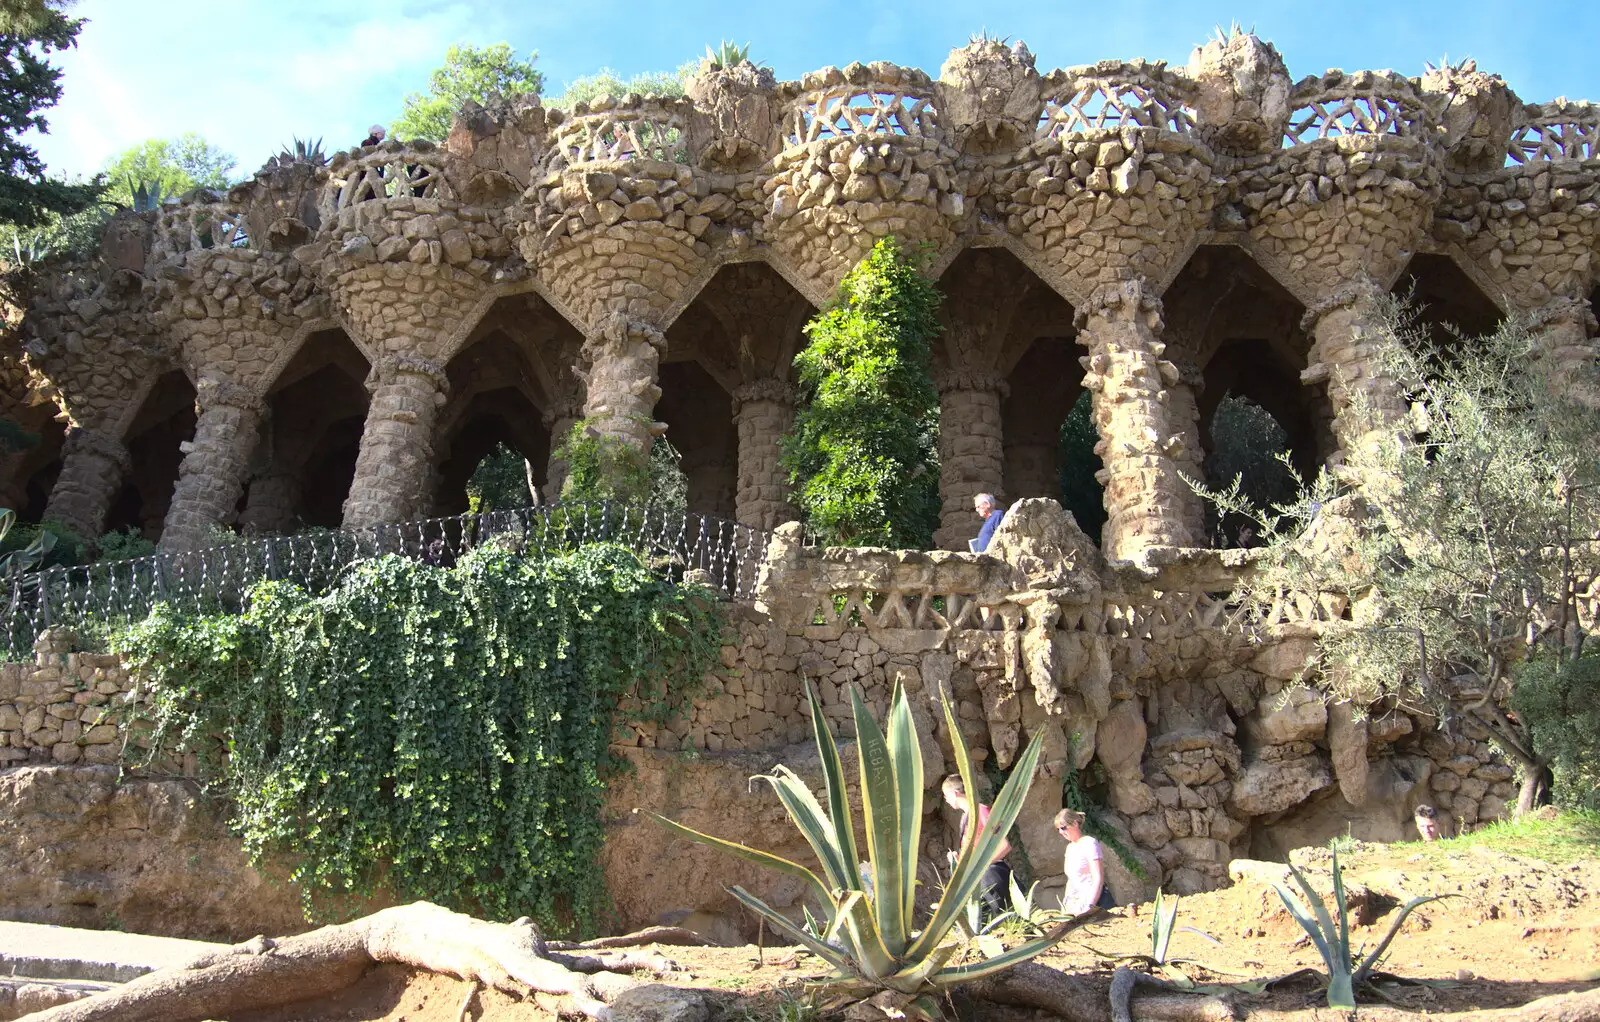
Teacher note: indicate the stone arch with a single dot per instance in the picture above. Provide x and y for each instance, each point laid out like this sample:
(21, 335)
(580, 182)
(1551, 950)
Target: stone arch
(154, 434)
(500, 390)
(727, 389)
(1445, 297)
(306, 459)
(1234, 328)
(528, 346)
(36, 468)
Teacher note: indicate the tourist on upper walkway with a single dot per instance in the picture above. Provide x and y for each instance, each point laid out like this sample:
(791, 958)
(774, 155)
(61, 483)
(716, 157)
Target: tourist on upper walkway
(992, 514)
(995, 888)
(375, 134)
(1086, 877)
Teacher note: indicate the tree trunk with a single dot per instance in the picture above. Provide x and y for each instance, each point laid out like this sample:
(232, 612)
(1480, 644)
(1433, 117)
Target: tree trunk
(263, 974)
(1537, 781)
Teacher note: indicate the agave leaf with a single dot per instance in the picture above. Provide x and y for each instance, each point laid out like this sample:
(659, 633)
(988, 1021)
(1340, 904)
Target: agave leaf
(905, 752)
(1340, 903)
(839, 813)
(872, 955)
(807, 815)
(1302, 915)
(915, 977)
(880, 806)
(977, 851)
(1372, 960)
(1341, 951)
(999, 963)
(781, 923)
(755, 855)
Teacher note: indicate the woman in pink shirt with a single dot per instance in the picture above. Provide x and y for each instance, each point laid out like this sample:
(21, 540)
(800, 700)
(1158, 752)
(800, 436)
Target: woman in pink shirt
(995, 887)
(1085, 872)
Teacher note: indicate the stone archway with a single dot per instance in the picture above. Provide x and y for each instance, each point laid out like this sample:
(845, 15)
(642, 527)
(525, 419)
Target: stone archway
(1446, 300)
(306, 461)
(164, 422)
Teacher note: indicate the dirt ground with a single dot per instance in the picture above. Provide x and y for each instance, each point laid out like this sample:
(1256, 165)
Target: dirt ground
(1514, 930)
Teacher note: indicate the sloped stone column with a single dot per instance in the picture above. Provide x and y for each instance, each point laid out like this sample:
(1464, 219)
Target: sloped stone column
(1347, 353)
(621, 361)
(971, 450)
(1568, 357)
(559, 420)
(211, 477)
(92, 469)
(396, 456)
(1145, 499)
(763, 410)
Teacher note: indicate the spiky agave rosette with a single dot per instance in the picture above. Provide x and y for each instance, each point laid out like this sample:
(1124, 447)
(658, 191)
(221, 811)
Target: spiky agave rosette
(867, 935)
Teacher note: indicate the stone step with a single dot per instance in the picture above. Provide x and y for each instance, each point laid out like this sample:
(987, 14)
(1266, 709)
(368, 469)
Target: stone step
(102, 956)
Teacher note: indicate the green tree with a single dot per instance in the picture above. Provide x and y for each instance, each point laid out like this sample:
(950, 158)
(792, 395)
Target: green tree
(1081, 492)
(469, 72)
(863, 455)
(30, 30)
(1460, 558)
(176, 164)
(606, 82)
(1247, 443)
(499, 483)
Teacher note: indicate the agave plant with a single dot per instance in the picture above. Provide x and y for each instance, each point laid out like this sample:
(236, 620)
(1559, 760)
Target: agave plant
(1333, 942)
(303, 151)
(15, 562)
(867, 933)
(727, 54)
(146, 195)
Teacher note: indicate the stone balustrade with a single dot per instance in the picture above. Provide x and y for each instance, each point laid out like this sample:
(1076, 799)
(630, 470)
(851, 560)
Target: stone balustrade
(204, 221)
(388, 171)
(862, 99)
(1555, 131)
(1112, 95)
(608, 130)
(1361, 104)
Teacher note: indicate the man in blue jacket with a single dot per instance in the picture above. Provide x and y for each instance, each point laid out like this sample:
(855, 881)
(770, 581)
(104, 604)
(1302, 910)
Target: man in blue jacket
(992, 515)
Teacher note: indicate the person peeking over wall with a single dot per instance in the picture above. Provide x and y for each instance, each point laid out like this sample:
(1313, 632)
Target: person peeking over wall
(992, 514)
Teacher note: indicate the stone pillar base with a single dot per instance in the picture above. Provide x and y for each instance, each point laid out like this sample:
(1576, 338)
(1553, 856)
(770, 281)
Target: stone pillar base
(211, 478)
(763, 412)
(92, 469)
(396, 457)
(971, 452)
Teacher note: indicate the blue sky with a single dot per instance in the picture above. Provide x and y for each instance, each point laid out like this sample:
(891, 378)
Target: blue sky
(249, 74)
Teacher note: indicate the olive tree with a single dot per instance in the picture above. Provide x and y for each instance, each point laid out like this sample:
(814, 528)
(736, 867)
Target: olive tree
(1453, 557)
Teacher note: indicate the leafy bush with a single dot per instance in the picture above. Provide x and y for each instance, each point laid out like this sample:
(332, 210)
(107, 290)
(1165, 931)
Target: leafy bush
(603, 467)
(499, 483)
(443, 731)
(863, 455)
(123, 545)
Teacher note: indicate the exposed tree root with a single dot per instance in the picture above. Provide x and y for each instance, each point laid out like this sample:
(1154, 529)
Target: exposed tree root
(262, 973)
(675, 935)
(1581, 1007)
(1032, 985)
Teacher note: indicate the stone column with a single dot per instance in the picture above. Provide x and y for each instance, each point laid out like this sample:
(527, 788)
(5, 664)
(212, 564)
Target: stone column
(395, 461)
(1565, 347)
(1145, 499)
(1347, 353)
(763, 410)
(211, 477)
(971, 450)
(621, 360)
(559, 419)
(93, 466)
(269, 505)
(1188, 453)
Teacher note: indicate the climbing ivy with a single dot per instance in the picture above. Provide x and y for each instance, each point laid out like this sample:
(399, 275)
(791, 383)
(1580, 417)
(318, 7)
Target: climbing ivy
(863, 454)
(444, 732)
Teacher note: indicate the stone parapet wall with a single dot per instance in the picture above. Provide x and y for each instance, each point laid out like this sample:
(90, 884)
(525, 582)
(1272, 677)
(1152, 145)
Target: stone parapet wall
(59, 709)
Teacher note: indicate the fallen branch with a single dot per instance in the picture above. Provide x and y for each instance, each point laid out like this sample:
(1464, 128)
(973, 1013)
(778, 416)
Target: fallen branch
(1582, 1007)
(262, 973)
(674, 935)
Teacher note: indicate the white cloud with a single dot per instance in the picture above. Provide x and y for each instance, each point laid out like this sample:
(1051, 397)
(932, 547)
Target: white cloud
(247, 80)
